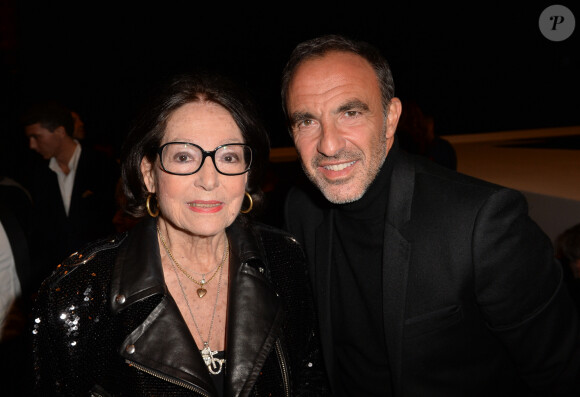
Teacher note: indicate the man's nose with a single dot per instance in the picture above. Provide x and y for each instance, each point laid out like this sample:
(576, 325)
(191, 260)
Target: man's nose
(32, 144)
(331, 140)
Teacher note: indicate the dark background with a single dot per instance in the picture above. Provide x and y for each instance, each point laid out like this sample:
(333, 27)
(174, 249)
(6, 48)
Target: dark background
(477, 67)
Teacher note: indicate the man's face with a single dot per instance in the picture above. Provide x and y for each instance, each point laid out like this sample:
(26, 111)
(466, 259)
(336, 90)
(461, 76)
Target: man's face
(43, 141)
(338, 124)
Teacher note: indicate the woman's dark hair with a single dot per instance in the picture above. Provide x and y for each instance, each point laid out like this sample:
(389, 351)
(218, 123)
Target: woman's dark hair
(320, 46)
(148, 129)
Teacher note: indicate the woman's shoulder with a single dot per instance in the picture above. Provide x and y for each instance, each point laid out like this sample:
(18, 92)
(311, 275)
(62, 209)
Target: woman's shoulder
(87, 262)
(274, 233)
(283, 251)
(267, 228)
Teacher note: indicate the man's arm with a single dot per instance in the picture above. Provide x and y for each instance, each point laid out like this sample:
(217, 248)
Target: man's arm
(520, 290)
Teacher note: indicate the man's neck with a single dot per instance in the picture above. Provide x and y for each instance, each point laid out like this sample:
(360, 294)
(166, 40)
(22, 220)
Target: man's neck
(65, 154)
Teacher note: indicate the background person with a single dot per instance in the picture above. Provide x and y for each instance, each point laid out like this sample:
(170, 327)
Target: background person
(72, 188)
(78, 127)
(568, 253)
(416, 134)
(15, 291)
(195, 299)
(427, 282)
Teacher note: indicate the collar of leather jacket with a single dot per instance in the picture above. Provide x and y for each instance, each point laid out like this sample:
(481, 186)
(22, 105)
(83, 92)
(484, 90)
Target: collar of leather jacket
(162, 341)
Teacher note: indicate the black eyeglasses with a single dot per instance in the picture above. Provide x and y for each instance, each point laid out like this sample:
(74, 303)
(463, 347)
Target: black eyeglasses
(184, 158)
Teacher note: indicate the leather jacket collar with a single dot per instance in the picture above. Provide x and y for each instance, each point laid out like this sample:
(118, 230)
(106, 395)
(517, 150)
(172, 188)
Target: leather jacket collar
(163, 344)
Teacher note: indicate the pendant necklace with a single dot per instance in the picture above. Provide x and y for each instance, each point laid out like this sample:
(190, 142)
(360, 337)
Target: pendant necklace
(214, 365)
(201, 291)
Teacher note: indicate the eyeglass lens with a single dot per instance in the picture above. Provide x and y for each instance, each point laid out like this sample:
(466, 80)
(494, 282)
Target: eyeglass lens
(185, 158)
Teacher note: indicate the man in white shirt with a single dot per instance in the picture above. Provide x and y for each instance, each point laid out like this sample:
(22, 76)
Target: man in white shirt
(73, 192)
(62, 151)
(10, 289)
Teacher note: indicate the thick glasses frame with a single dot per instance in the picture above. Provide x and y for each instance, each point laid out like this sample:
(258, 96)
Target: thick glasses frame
(205, 154)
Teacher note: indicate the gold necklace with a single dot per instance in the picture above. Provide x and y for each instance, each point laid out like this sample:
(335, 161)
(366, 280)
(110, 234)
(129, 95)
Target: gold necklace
(214, 365)
(200, 291)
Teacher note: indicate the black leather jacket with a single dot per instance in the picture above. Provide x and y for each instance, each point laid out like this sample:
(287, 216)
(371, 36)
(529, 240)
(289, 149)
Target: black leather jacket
(105, 324)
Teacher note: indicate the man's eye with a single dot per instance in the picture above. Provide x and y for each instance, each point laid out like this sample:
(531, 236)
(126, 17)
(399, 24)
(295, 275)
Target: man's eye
(305, 123)
(351, 113)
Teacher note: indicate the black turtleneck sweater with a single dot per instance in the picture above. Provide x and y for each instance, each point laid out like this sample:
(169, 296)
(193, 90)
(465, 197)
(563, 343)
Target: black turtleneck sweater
(361, 366)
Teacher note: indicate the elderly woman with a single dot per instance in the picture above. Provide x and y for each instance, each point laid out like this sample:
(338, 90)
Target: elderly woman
(196, 299)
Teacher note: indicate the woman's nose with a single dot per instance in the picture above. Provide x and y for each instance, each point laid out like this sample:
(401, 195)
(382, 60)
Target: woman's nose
(207, 176)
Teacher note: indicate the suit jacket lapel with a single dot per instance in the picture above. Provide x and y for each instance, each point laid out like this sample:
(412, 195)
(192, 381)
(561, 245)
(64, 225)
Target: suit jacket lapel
(323, 259)
(52, 194)
(396, 256)
(79, 182)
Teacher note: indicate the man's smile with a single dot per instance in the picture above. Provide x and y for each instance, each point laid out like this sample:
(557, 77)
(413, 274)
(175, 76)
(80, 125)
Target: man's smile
(338, 167)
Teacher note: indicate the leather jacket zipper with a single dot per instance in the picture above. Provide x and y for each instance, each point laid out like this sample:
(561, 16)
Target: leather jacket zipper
(167, 378)
(283, 367)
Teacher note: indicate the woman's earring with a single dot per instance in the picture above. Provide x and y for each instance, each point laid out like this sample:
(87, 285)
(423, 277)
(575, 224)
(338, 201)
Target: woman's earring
(148, 205)
(251, 204)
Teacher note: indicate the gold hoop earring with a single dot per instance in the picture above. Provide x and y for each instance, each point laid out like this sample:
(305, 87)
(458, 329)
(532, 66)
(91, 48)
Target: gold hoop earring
(148, 205)
(251, 204)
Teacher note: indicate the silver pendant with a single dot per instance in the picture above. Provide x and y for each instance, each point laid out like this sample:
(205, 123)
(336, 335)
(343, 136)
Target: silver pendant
(214, 365)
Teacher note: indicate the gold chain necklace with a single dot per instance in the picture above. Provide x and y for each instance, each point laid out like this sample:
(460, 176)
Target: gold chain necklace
(214, 365)
(200, 291)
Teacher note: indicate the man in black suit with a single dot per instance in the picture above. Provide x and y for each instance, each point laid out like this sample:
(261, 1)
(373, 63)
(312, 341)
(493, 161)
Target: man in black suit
(428, 282)
(73, 188)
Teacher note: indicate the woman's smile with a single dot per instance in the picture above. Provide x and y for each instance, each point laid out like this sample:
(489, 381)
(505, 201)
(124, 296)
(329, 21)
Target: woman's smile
(206, 206)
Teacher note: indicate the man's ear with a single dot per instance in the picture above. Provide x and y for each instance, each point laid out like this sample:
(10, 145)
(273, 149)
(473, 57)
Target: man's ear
(395, 108)
(148, 174)
(60, 131)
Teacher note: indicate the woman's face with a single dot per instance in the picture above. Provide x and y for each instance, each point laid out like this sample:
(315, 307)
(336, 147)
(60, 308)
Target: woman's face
(207, 202)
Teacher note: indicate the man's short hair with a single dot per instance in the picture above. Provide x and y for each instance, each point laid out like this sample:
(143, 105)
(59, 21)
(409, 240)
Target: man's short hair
(49, 115)
(320, 46)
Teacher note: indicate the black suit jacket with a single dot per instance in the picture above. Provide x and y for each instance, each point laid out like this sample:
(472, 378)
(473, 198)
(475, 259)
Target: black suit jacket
(92, 207)
(473, 301)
